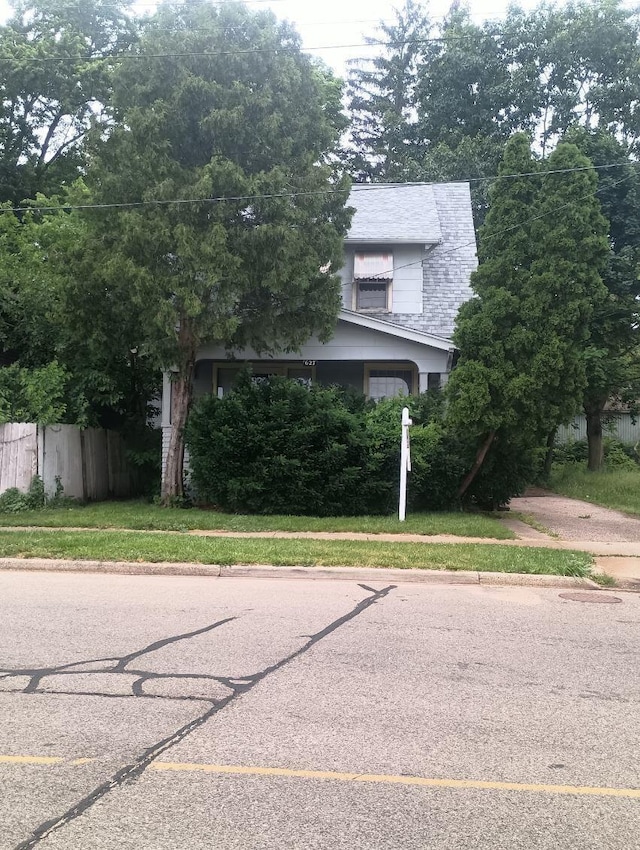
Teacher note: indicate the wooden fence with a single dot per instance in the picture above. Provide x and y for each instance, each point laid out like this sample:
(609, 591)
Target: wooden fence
(90, 464)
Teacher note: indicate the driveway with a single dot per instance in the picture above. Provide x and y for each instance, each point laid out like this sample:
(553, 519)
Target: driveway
(572, 519)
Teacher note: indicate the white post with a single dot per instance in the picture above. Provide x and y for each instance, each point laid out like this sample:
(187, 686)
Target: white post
(405, 463)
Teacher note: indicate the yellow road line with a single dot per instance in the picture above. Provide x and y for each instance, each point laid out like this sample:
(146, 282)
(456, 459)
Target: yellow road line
(31, 759)
(425, 782)
(377, 778)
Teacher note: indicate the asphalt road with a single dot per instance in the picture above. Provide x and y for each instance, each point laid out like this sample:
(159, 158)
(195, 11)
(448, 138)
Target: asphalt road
(162, 713)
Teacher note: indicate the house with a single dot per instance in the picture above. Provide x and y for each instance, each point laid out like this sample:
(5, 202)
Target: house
(408, 257)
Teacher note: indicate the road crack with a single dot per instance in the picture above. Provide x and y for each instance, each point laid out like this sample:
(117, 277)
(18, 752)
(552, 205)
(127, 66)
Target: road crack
(238, 686)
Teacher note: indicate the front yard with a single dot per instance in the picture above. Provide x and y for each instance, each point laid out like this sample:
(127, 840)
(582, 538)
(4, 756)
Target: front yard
(144, 516)
(140, 546)
(615, 488)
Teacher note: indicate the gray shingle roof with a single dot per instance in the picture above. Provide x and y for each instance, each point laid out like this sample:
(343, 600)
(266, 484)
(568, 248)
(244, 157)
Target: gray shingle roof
(394, 212)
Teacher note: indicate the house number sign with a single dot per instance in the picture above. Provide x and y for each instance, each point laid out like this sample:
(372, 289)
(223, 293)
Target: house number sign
(309, 362)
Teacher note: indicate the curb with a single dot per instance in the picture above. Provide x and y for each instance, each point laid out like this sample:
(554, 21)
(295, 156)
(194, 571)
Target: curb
(268, 572)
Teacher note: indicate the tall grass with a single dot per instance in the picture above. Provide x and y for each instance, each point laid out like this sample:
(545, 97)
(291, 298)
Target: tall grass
(613, 488)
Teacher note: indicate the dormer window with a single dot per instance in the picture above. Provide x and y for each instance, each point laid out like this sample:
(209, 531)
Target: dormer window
(372, 279)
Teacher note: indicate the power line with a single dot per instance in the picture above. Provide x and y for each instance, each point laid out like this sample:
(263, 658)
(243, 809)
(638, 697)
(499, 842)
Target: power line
(512, 227)
(244, 52)
(361, 187)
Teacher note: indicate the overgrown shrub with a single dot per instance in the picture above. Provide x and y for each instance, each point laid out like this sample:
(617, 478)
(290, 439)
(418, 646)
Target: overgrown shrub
(278, 447)
(436, 465)
(510, 466)
(13, 501)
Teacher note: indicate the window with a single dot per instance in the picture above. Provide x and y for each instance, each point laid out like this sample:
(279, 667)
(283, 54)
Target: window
(371, 295)
(388, 383)
(434, 381)
(228, 375)
(372, 278)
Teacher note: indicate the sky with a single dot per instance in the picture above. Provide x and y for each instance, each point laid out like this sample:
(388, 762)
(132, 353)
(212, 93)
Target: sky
(343, 22)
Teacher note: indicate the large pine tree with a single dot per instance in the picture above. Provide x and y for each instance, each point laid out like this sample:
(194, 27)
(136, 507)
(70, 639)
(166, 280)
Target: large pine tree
(523, 337)
(381, 97)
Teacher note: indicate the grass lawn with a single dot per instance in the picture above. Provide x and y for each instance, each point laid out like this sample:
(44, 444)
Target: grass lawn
(619, 489)
(132, 546)
(144, 516)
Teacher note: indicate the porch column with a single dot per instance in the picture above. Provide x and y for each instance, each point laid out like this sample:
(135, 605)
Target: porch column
(165, 419)
(165, 407)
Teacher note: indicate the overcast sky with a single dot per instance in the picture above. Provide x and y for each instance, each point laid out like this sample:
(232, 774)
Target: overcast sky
(343, 22)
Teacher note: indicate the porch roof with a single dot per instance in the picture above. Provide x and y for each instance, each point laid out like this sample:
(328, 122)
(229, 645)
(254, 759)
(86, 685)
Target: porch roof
(400, 331)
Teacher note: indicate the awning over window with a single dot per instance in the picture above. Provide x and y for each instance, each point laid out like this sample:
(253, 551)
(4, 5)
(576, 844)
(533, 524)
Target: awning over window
(373, 266)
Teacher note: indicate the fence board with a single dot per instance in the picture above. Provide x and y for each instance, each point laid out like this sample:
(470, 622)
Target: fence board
(91, 464)
(119, 473)
(95, 464)
(63, 458)
(18, 455)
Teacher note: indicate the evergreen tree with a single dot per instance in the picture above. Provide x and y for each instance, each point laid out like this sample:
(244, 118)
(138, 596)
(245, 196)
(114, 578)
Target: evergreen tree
(523, 337)
(613, 364)
(381, 97)
(220, 103)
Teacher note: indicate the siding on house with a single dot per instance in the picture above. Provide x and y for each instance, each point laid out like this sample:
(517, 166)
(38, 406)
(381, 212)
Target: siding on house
(619, 426)
(431, 276)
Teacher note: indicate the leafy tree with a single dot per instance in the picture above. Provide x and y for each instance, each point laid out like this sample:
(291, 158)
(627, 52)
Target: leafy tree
(464, 85)
(33, 395)
(579, 64)
(54, 81)
(522, 338)
(381, 96)
(29, 292)
(219, 102)
(613, 365)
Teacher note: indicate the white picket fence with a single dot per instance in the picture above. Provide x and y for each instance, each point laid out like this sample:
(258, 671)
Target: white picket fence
(89, 464)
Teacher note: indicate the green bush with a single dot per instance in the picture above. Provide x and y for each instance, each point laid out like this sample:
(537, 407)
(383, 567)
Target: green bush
(510, 466)
(436, 466)
(13, 501)
(617, 454)
(278, 447)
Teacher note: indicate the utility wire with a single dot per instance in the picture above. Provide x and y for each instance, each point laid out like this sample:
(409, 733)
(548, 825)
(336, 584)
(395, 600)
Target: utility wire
(361, 187)
(509, 229)
(381, 275)
(245, 52)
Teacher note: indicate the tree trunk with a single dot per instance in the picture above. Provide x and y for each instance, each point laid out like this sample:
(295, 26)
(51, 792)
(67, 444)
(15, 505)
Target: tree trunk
(593, 412)
(548, 458)
(181, 395)
(480, 456)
